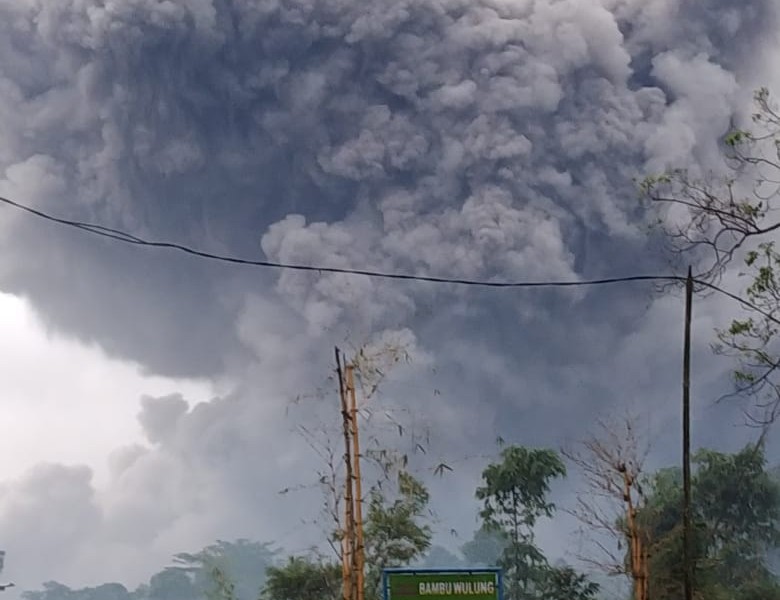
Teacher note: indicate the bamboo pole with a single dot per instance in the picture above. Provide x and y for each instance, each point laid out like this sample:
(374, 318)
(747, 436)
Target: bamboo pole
(348, 538)
(359, 562)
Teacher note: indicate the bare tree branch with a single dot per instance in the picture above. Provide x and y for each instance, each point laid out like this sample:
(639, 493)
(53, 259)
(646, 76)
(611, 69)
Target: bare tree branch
(611, 464)
(713, 220)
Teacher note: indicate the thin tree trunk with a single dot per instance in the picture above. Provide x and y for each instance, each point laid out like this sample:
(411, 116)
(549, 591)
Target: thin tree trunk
(637, 550)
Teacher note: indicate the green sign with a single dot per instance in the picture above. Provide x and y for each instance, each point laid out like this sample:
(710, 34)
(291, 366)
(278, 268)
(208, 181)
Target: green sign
(416, 585)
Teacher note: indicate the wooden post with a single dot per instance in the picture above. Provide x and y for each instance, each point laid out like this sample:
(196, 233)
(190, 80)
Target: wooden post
(687, 537)
(359, 561)
(348, 540)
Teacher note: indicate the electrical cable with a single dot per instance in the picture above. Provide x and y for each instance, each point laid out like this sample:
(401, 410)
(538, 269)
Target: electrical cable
(127, 238)
(122, 236)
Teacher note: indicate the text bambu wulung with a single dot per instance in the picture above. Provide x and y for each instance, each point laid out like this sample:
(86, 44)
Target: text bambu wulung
(457, 588)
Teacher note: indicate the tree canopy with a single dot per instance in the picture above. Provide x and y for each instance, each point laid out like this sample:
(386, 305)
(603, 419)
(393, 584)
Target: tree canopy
(736, 512)
(514, 495)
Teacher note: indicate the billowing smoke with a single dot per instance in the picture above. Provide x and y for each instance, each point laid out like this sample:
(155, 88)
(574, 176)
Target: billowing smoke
(492, 139)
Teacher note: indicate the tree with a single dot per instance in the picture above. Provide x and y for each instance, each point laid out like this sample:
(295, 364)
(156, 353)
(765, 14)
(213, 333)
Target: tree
(438, 557)
(380, 459)
(303, 579)
(612, 466)
(224, 588)
(226, 568)
(56, 591)
(736, 512)
(221, 571)
(514, 496)
(712, 220)
(395, 535)
(564, 583)
(485, 548)
(172, 584)
(394, 532)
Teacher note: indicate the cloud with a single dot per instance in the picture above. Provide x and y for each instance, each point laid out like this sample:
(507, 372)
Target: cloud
(140, 472)
(160, 415)
(35, 504)
(64, 400)
(493, 140)
(452, 109)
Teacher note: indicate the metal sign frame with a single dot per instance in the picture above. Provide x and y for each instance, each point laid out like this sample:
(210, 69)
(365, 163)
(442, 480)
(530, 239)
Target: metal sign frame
(476, 571)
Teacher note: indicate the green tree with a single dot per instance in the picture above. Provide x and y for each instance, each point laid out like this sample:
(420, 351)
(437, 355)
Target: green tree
(514, 496)
(225, 568)
(564, 583)
(736, 512)
(303, 578)
(395, 533)
(715, 219)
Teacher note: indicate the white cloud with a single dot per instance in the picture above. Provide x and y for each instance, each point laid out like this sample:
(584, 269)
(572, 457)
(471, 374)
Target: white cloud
(65, 401)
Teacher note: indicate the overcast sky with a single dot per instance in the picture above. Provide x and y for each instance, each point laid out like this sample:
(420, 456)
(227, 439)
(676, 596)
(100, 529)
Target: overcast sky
(149, 398)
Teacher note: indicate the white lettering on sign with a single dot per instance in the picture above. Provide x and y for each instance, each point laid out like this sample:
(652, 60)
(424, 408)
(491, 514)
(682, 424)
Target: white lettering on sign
(436, 588)
(456, 588)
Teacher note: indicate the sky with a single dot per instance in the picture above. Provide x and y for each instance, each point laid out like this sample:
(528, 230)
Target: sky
(153, 401)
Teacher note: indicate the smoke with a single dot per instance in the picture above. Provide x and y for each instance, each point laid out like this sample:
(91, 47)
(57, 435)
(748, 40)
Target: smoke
(494, 139)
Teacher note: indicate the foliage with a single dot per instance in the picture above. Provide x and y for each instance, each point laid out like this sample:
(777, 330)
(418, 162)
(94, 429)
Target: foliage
(380, 462)
(224, 588)
(485, 548)
(393, 533)
(564, 583)
(222, 571)
(303, 579)
(394, 536)
(736, 512)
(172, 584)
(438, 557)
(56, 591)
(763, 589)
(214, 569)
(713, 220)
(514, 496)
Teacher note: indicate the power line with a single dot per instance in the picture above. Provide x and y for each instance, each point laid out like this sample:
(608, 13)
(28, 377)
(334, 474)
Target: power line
(127, 238)
(735, 297)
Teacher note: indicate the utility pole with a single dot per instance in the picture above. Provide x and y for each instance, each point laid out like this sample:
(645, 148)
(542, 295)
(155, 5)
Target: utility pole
(687, 550)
